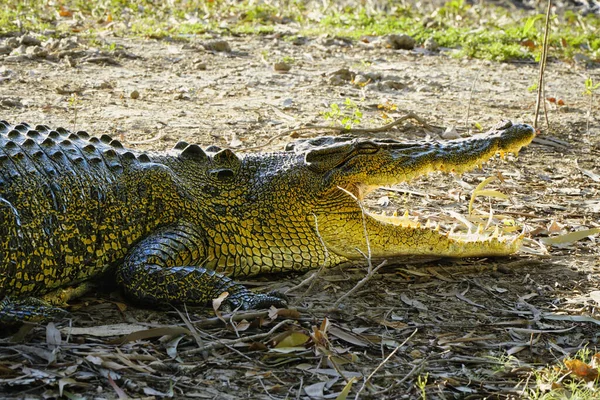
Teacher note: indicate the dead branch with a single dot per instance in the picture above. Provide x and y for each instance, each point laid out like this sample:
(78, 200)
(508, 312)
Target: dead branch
(341, 129)
(383, 363)
(229, 342)
(370, 271)
(542, 67)
(314, 275)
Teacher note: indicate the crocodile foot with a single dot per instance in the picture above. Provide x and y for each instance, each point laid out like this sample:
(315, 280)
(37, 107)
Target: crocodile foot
(247, 300)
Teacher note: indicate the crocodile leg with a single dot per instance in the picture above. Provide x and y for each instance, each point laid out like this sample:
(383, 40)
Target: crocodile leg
(163, 268)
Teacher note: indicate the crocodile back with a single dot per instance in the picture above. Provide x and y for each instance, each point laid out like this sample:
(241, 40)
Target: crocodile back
(71, 206)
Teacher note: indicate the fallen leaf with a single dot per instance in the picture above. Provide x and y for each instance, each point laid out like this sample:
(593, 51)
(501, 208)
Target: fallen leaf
(294, 339)
(571, 237)
(582, 369)
(554, 227)
(346, 390)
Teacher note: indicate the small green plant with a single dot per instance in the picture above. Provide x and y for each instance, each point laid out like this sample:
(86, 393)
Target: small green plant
(422, 384)
(288, 59)
(73, 105)
(347, 115)
(590, 89)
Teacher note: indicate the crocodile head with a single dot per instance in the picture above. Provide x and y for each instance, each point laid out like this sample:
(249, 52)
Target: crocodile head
(351, 167)
(301, 208)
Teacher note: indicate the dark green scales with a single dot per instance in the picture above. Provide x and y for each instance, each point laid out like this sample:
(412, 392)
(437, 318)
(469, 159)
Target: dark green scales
(173, 227)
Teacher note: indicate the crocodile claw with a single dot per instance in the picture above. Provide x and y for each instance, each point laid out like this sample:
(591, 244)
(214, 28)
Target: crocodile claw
(248, 300)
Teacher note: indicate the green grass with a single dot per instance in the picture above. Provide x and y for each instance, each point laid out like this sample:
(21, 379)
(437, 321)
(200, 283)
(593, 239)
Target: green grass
(573, 378)
(469, 31)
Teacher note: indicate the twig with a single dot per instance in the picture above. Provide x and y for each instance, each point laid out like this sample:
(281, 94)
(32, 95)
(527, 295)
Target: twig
(341, 129)
(154, 139)
(469, 104)
(542, 67)
(364, 222)
(383, 363)
(414, 369)
(224, 343)
(370, 271)
(317, 273)
(360, 283)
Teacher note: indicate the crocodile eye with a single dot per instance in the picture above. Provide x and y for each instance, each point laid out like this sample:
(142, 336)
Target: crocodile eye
(367, 147)
(221, 174)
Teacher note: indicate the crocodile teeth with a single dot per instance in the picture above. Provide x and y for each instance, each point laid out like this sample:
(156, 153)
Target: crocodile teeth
(496, 233)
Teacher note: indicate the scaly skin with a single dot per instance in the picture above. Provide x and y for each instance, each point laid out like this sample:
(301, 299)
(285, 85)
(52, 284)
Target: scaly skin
(174, 227)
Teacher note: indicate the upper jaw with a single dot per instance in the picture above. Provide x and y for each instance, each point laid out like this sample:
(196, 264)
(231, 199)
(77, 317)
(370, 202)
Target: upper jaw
(396, 161)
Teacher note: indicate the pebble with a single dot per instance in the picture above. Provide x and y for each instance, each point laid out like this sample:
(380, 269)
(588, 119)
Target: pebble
(581, 59)
(37, 51)
(12, 42)
(341, 76)
(217, 45)
(134, 94)
(200, 65)
(281, 67)
(431, 45)
(11, 102)
(391, 85)
(27, 40)
(361, 80)
(5, 49)
(398, 41)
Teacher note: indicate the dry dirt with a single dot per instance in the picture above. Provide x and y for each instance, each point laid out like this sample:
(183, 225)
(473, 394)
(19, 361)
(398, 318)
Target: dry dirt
(467, 328)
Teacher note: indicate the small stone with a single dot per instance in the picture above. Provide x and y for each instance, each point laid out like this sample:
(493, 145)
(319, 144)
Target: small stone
(281, 67)
(5, 49)
(17, 58)
(12, 42)
(199, 64)
(19, 51)
(361, 80)
(581, 59)
(27, 40)
(374, 76)
(287, 103)
(391, 85)
(182, 96)
(134, 94)
(7, 102)
(37, 51)
(398, 41)
(51, 44)
(341, 75)
(217, 45)
(69, 43)
(299, 41)
(105, 85)
(431, 45)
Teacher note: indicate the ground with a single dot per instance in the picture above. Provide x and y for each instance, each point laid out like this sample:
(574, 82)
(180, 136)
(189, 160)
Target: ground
(457, 328)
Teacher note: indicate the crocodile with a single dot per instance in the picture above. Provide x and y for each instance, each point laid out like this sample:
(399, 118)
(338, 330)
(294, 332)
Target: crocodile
(179, 226)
